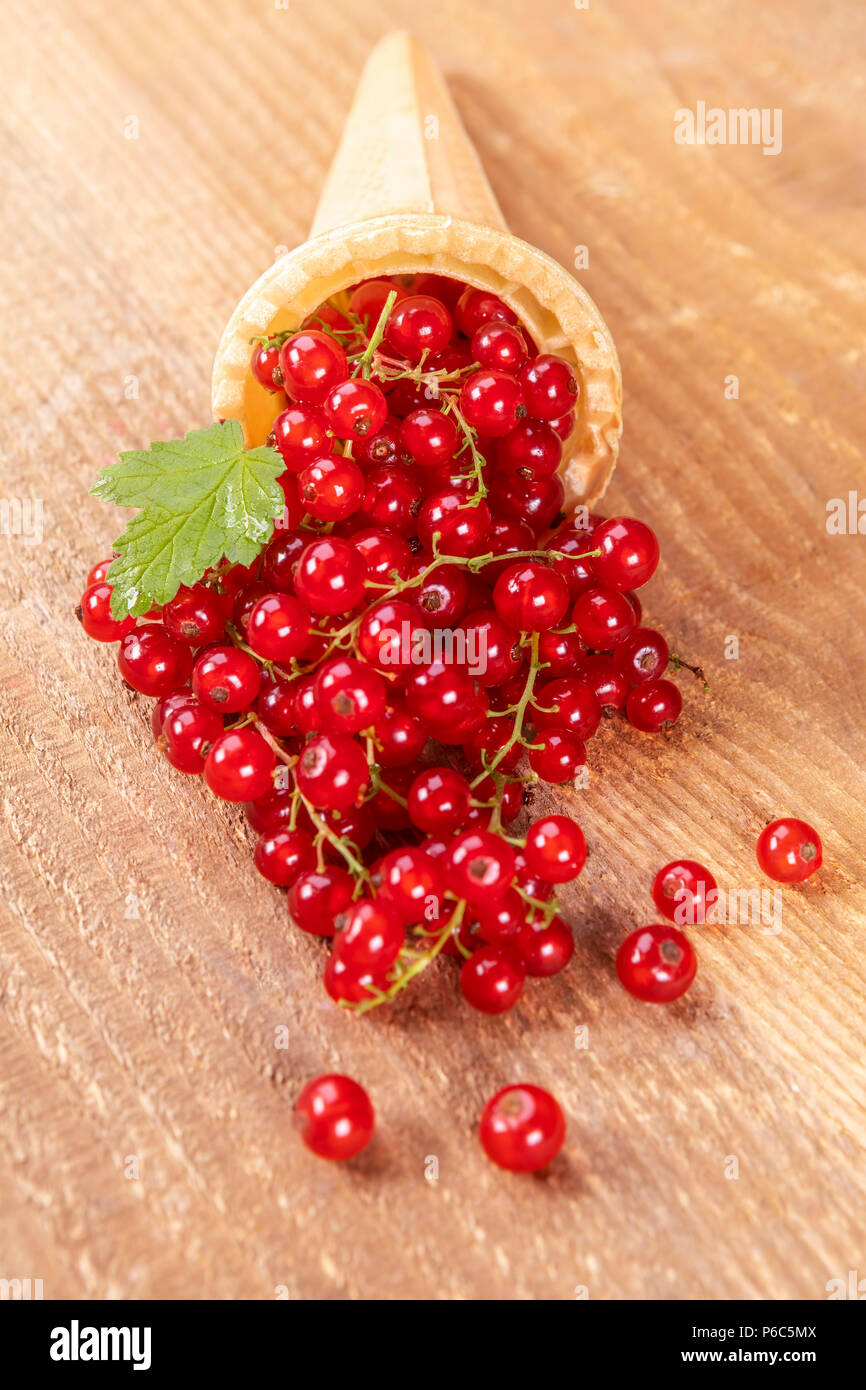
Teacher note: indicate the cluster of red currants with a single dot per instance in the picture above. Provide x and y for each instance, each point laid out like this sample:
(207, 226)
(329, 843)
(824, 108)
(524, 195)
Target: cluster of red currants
(421, 432)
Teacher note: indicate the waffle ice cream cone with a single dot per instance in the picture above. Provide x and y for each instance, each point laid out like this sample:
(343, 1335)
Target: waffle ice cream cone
(406, 193)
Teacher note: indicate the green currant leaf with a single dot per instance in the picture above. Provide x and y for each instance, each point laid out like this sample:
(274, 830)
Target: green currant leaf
(203, 498)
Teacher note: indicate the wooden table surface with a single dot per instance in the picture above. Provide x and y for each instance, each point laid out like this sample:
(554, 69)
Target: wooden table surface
(716, 1146)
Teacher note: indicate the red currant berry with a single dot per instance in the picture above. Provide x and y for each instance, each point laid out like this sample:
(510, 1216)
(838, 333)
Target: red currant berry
(389, 805)
(656, 964)
(492, 403)
(494, 735)
(318, 897)
(654, 705)
(275, 706)
(537, 502)
(385, 448)
(240, 765)
(567, 704)
(629, 553)
(387, 635)
(279, 559)
(439, 800)
(460, 525)
(331, 489)
(346, 985)
(335, 1117)
(99, 571)
(492, 979)
(195, 615)
(600, 674)
(312, 363)
(430, 437)
(94, 614)
(187, 732)
(501, 919)
(386, 557)
(577, 570)
(417, 325)
(555, 849)
(789, 850)
(480, 866)
(369, 299)
(563, 424)
(301, 435)
(443, 595)
(499, 347)
(305, 711)
(530, 597)
(522, 1129)
(226, 679)
(641, 657)
(603, 618)
(444, 698)
(278, 627)
(493, 651)
(332, 772)
(392, 499)
(372, 936)
(531, 451)
(545, 949)
(561, 654)
(398, 736)
(356, 408)
(413, 884)
(283, 855)
(152, 662)
(680, 891)
(349, 694)
(329, 577)
(550, 387)
(556, 755)
(265, 366)
(505, 536)
(478, 307)
(273, 811)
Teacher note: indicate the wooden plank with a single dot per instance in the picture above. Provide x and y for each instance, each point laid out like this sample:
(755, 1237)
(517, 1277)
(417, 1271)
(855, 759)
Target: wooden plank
(145, 968)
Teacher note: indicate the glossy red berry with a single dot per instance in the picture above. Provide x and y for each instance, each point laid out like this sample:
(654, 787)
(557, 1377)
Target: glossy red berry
(152, 662)
(331, 489)
(522, 1128)
(398, 737)
(681, 890)
(393, 497)
(273, 811)
(493, 651)
(346, 985)
(372, 936)
(499, 346)
(600, 674)
(789, 850)
(281, 856)
(562, 654)
(240, 765)
(530, 597)
(195, 615)
(386, 557)
(567, 703)
(480, 866)
(629, 553)
(318, 897)
(356, 408)
(456, 525)
(443, 595)
(538, 501)
(654, 705)
(505, 536)
(301, 434)
(387, 634)
(413, 884)
(385, 447)
(492, 402)
(94, 614)
(187, 732)
(478, 307)
(334, 1117)
(265, 366)
(226, 679)
(492, 979)
(577, 569)
(329, 577)
(603, 618)
(369, 299)
(531, 451)
(439, 800)
(545, 949)
(556, 755)
(349, 694)
(656, 964)
(550, 386)
(492, 738)
(98, 571)
(332, 772)
(430, 437)
(555, 849)
(275, 706)
(418, 325)
(312, 363)
(278, 627)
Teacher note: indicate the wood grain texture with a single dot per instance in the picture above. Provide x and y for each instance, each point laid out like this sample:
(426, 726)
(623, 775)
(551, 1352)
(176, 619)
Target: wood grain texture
(144, 967)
